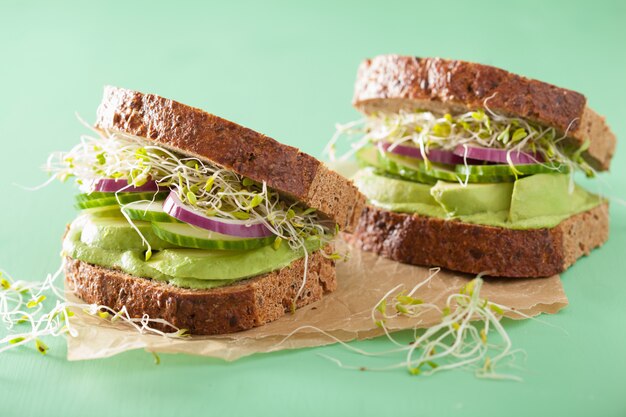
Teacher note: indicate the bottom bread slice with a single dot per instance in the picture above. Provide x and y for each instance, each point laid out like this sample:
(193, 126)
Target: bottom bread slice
(471, 248)
(240, 306)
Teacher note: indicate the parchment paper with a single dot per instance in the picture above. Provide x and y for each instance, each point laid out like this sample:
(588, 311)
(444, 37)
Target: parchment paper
(362, 281)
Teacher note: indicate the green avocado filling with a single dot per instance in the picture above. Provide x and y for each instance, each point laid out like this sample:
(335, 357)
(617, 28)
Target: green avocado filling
(532, 202)
(112, 243)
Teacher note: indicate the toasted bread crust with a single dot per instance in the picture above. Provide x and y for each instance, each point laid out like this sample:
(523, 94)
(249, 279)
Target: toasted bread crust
(251, 154)
(392, 82)
(472, 248)
(243, 305)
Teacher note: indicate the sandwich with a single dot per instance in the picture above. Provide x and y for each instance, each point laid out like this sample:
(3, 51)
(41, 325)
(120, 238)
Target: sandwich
(470, 167)
(193, 220)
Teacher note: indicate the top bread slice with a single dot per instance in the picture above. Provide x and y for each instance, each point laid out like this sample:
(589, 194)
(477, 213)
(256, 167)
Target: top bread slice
(389, 83)
(194, 132)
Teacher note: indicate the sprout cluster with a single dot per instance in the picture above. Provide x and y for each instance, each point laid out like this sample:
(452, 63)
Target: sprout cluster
(426, 130)
(460, 340)
(205, 187)
(463, 339)
(27, 311)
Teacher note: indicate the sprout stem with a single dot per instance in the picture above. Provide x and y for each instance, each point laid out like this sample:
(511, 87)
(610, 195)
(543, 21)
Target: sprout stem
(461, 340)
(52, 320)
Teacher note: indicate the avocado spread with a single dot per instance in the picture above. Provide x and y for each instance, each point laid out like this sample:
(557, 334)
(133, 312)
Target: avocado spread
(112, 243)
(533, 202)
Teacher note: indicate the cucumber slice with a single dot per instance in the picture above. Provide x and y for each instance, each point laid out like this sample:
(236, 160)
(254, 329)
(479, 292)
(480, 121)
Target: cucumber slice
(367, 156)
(183, 234)
(105, 211)
(150, 211)
(480, 179)
(507, 170)
(420, 171)
(405, 169)
(118, 234)
(98, 199)
(95, 195)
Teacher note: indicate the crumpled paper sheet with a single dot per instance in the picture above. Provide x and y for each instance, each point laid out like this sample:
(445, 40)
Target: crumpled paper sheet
(346, 313)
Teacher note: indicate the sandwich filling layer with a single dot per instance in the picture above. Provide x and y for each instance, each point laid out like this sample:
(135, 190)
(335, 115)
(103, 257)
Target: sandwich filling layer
(467, 134)
(109, 242)
(476, 167)
(534, 202)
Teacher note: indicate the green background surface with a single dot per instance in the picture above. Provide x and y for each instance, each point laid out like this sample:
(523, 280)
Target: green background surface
(287, 69)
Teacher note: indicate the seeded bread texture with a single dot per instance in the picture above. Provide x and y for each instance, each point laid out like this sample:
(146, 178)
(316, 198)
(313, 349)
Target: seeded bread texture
(208, 137)
(240, 306)
(471, 248)
(389, 83)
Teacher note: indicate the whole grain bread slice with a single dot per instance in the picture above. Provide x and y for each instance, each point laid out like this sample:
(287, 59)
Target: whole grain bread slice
(471, 248)
(208, 137)
(389, 83)
(240, 306)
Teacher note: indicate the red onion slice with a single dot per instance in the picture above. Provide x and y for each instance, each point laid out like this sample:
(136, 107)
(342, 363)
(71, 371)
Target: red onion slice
(444, 157)
(498, 155)
(109, 185)
(411, 151)
(240, 228)
(434, 154)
